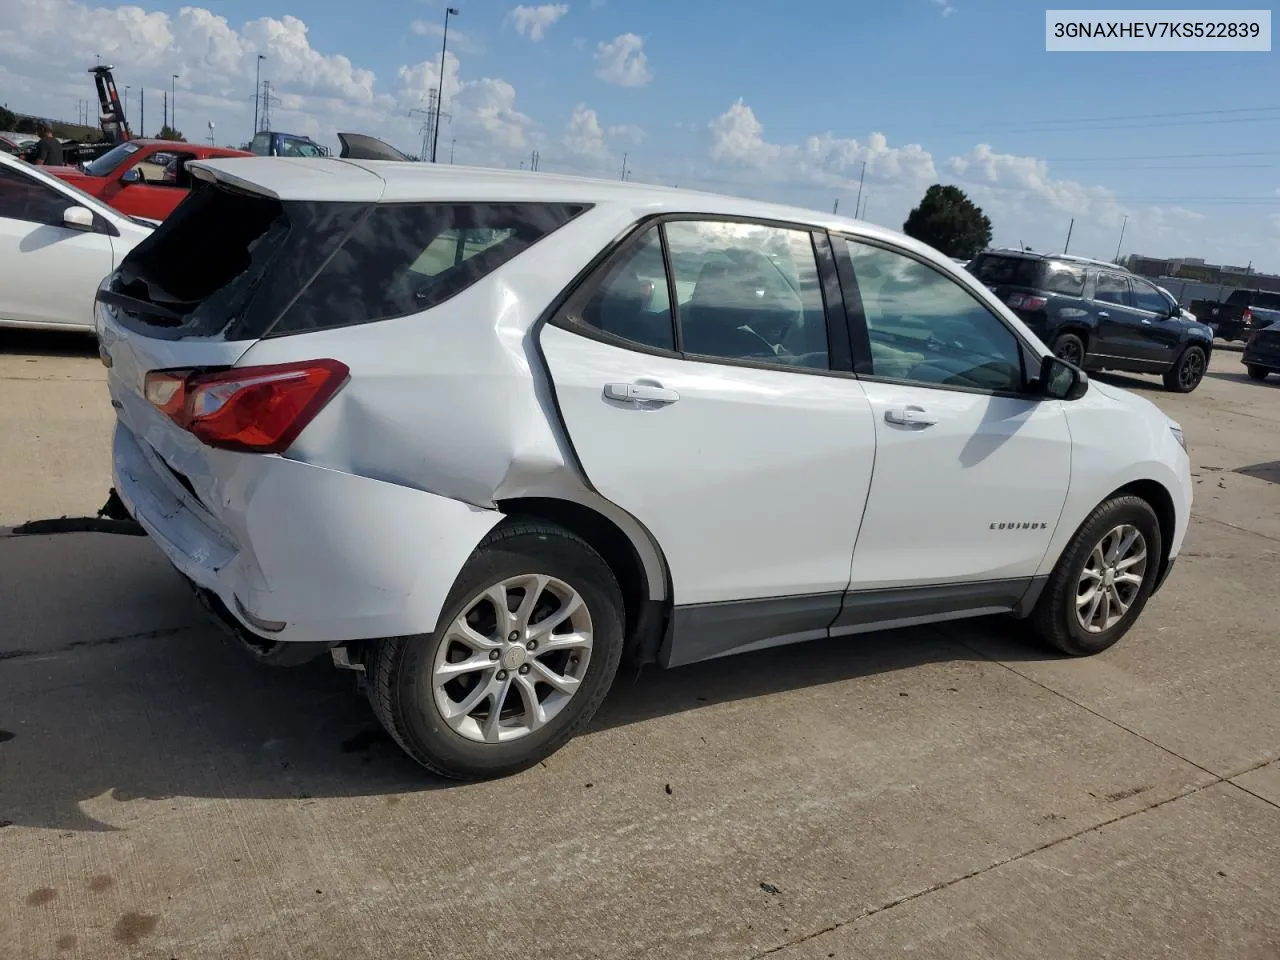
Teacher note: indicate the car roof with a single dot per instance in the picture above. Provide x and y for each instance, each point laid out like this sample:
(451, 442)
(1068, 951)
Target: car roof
(336, 179)
(1041, 255)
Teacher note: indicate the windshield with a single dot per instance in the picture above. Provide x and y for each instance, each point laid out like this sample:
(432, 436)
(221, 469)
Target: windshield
(111, 160)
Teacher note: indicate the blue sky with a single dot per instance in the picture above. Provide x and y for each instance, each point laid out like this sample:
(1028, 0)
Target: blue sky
(778, 100)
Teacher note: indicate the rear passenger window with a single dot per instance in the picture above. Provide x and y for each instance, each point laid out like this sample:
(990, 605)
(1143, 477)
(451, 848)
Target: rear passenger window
(748, 292)
(631, 299)
(1112, 289)
(1064, 279)
(404, 258)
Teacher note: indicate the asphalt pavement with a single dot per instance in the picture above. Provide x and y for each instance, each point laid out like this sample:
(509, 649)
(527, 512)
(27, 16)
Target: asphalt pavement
(942, 792)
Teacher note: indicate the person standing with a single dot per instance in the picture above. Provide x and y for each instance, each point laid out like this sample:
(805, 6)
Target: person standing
(48, 150)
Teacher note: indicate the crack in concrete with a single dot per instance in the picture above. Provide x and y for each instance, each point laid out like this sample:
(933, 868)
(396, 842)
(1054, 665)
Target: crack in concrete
(98, 642)
(1237, 527)
(944, 884)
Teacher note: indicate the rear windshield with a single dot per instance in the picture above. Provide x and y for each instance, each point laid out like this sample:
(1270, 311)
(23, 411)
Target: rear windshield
(1053, 276)
(244, 266)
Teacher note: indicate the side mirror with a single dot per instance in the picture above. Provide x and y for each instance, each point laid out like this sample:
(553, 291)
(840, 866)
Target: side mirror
(132, 175)
(1060, 380)
(78, 218)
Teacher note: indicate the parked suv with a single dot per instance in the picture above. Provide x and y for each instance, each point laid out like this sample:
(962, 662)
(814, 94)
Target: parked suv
(481, 434)
(1099, 316)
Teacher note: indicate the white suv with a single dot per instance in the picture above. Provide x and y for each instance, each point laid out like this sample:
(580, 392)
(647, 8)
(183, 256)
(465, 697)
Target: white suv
(483, 434)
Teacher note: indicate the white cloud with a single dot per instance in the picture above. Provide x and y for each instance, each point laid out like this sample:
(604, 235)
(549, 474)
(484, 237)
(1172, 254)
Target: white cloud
(622, 61)
(945, 6)
(627, 133)
(458, 39)
(737, 138)
(319, 92)
(583, 135)
(533, 22)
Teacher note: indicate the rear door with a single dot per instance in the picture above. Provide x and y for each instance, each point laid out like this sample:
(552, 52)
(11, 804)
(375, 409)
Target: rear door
(1118, 322)
(971, 472)
(48, 272)
(714, 403)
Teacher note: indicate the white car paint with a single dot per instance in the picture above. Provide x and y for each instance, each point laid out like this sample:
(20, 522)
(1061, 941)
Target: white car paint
(49, 272)
(756, 485)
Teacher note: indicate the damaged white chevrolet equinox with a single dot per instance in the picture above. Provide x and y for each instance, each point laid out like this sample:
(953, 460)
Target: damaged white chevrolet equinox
(482, 435)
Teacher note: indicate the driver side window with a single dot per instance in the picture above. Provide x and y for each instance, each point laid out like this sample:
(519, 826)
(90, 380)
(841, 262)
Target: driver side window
(925, 328)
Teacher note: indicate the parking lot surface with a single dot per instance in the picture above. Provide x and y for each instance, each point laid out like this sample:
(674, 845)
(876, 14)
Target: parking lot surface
(941, 792)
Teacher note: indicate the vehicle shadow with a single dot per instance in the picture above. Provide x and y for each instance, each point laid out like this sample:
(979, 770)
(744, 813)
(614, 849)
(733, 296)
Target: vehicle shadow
(1128, 382)
(1243, 377)
(86, 727)
(1269, 471)
(49, 343)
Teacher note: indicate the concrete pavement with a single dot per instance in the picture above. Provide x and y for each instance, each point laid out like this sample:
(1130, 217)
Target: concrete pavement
(940, 793)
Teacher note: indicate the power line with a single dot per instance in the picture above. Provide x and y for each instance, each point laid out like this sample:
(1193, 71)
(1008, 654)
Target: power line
(1136, 116)
(1168, 156)
(1074, 127)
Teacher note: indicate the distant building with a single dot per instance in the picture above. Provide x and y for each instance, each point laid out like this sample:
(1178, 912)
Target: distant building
(1186, 273)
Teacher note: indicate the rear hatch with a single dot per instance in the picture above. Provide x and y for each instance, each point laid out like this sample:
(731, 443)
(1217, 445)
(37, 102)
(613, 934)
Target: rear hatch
(1028, 285)
(212, 280)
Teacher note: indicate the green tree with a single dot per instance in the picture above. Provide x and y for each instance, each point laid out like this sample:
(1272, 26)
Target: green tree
(949, 221)
(8, 120)
(168, 133)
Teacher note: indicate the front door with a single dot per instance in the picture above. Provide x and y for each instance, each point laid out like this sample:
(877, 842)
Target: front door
(721, 424)
(1158, 335)
(49, 273)
(971, 472)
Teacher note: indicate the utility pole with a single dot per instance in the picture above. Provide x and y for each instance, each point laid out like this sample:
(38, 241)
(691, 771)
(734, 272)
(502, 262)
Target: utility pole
(1069, 229)
(166, 110)
(623, 174)
(835, 207)
(142, 111)
(452, 143)
(266, 104)
(534, 160)
(861, 177)
(1122, 226)
(173, 109)
(444, 46)
(257, 89)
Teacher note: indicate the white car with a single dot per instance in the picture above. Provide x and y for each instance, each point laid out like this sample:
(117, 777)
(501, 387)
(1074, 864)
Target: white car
(56, 245)
(483, 434)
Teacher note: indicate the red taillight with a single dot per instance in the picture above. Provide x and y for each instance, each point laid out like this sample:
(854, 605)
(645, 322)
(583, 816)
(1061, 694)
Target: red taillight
(1025, 301)
(254, 409)
(1246, 315)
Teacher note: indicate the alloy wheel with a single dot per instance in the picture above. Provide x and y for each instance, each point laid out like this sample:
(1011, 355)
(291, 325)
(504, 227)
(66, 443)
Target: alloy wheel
(1069, 350)
(513, 659)
(1111, 579)
(1191, 371)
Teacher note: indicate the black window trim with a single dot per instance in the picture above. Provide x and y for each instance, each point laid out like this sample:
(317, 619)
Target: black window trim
(861, 338)
(566, 309)
(1133, 294)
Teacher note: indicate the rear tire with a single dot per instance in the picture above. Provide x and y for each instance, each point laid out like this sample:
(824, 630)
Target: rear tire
(434, 706)
(1257, 373)
(1187, 371)
(1065, 616)
(1070, 348)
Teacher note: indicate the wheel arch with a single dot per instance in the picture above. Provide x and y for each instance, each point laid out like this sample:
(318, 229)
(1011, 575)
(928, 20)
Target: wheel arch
(1161, 501)
(633, 555)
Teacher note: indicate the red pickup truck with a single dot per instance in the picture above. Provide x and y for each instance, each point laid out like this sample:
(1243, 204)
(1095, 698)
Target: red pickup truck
(142, 178)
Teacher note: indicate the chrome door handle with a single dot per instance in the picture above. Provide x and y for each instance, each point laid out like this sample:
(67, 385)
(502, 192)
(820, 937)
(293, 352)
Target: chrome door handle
(1146, 322)
(1102, 314)
(640, 393)
(910, 415)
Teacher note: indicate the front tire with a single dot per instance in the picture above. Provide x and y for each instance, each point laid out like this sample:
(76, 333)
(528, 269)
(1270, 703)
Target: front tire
(525, 651)
(1257, 373)
(1102, 580)
(1187, 371)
